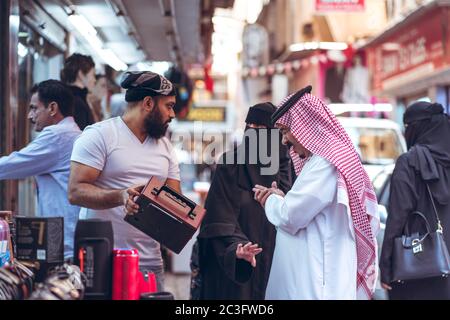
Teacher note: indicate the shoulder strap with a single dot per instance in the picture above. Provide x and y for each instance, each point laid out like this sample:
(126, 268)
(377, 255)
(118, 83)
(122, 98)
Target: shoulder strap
(439, 225)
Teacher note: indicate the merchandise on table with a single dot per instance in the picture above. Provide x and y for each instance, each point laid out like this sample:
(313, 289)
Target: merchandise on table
(41, 241)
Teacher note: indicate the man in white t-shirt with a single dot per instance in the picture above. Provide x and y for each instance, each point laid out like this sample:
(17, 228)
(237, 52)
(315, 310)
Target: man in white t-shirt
(113, 159)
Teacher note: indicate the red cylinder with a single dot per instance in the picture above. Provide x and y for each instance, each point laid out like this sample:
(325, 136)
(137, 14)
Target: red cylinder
(125, 274)
(147, 282)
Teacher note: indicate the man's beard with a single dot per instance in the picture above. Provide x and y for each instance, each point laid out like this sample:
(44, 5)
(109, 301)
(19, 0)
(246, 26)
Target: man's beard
(154, 124)
(290, 146)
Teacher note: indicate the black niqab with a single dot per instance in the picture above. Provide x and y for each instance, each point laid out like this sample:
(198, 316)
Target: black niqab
(428, 125)
(250, 172)
(258, 142)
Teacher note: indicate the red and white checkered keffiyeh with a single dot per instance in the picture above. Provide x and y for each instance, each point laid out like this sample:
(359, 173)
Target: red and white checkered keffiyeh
(317, 129)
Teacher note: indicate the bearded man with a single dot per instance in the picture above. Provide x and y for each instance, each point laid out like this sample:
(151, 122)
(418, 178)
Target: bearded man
(113, 159)
(327, 223)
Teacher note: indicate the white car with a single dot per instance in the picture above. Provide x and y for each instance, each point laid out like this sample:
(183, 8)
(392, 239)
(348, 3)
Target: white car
(381, 184)
(379, 143)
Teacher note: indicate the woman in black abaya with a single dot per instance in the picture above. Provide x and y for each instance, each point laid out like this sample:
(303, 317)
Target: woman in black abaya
(426, 162)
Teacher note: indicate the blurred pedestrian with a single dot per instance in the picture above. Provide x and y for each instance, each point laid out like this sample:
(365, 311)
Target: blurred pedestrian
(427, 162)
(97, 98)
(118, 104)
(236, 240)
(79, 75)
(327, 223)
(47, 157)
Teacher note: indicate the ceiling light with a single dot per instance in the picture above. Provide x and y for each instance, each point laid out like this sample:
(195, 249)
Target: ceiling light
(318, 45)
(22, 50)
(82, 25)
(88, 32)
(111, 58)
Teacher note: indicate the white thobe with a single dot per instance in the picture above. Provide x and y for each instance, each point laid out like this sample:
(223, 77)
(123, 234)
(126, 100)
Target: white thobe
(315, 251)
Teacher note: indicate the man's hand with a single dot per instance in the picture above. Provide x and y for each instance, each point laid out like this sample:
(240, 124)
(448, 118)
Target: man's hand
(386, 286)
(262, 193)
(275, 189)
(248, 252)
(128, 196)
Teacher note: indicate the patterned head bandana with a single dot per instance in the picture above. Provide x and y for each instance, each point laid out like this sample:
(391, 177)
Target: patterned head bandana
(317, 129)
(145, 83)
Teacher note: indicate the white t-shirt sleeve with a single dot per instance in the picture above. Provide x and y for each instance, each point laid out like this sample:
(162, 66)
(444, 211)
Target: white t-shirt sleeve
(90, 149)
(174, 168)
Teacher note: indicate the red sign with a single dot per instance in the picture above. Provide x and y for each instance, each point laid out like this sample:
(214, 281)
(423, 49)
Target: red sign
(340, 5)
(412, 52)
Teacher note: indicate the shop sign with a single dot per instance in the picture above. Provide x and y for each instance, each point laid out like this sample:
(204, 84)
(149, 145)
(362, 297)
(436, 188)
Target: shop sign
(208, 114)
(412, 52)
(340, 5)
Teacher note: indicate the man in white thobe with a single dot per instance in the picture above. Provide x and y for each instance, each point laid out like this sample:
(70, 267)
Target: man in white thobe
(317, 255)
(315, 252)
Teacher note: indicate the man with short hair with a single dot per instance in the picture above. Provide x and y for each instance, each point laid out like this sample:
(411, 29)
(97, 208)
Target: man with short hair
(47, 157)
(114, 156)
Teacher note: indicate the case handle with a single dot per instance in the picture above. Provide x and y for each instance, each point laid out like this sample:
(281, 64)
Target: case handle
(175, 196)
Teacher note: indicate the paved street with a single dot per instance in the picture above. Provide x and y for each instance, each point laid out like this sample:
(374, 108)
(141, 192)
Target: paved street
(178, 284)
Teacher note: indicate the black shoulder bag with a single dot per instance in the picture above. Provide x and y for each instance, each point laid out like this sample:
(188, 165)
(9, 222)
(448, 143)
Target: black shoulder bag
(420, 256)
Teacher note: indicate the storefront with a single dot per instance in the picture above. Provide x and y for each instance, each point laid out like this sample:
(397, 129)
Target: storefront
(9, 27)
(282, 78)
(40, 56)
(411, 60)
(35, 47)
(329, 72)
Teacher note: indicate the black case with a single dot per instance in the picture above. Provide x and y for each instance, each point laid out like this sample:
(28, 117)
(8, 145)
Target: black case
(166, 216)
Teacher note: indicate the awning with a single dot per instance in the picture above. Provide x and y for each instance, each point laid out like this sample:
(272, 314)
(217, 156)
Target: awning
(415, 15)
(138, 30)
(420, 83)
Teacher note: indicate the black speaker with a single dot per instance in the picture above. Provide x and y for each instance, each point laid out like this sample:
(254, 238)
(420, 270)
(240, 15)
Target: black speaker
(93, 248)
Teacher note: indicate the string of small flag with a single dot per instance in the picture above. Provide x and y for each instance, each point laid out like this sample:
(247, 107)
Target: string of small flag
(284, 67)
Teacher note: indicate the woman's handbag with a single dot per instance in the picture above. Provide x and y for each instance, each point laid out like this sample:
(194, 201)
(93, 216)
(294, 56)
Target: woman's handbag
(420, 256)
